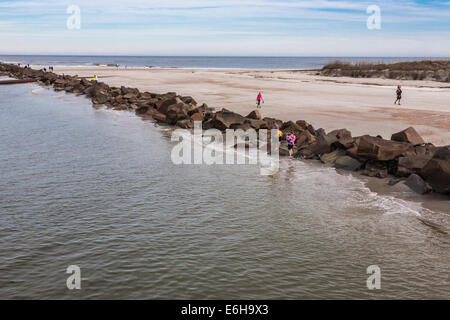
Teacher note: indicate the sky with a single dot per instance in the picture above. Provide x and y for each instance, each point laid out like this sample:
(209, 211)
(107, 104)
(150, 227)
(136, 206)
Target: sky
(226, 28)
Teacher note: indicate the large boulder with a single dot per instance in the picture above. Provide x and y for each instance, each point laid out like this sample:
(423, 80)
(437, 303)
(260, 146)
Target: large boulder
(167, 95)
(131, 97)
(126, 90)
(341, 138)
(312, 130)
(427, 149)
(99, 93)
(147, 95)
(318, 147)
(117, 100)
(376, 169)
(379, 149)
(97, 89)
(189, 100)
(100, 98)
(255, 115)
(114, 91)
(437, 171)
(291, 126)
(330, 158)
(306, 126)
(302, 124)
(48, 77)
(203, 109)
(158, 116)
(270, 122)
(304, 138)
(306, 153)
(72, 83)
(177, 112)
(408, 135)
(59, 83)
(145, 111)
(163, 104)
(238, 126)
(147, 103)
(223, 120)
(78, 88)
(417, 184)
(323, 143)
(197, 116)
(256, 124)
(411, 164)
(347, 163)
(320, 132)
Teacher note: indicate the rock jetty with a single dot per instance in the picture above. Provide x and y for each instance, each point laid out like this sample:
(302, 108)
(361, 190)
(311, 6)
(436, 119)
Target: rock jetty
(425, 167)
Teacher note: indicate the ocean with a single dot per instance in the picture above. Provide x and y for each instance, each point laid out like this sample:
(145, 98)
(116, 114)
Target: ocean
(96, 188)
(195, 62)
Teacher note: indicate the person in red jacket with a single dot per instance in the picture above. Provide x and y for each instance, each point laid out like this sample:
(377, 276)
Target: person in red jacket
(259, 98)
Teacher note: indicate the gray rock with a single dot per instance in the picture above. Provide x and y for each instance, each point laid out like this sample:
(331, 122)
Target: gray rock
(347, 163)
(437, 171)
(330, 158)
(417, 184)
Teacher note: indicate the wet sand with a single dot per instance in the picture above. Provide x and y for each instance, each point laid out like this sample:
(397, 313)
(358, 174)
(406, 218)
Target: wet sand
(364, 106)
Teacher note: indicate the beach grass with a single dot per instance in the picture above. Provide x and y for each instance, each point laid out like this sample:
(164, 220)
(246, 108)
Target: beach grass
(436, 70)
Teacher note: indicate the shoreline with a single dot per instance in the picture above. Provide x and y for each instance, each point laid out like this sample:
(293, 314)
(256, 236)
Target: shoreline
(405, 156)
(121, 68)
(311, 74)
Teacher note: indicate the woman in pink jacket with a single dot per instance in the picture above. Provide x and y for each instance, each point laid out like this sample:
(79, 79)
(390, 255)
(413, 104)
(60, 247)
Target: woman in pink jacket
(291, 143)
(259, 98)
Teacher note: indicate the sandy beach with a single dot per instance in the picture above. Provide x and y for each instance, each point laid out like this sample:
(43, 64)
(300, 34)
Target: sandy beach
(363, 106)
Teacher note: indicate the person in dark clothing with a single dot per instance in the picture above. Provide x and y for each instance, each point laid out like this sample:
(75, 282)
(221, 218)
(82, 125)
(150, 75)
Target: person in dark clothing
(399, 95)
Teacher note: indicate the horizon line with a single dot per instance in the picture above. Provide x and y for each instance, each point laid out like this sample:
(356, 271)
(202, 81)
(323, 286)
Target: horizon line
(219, 56)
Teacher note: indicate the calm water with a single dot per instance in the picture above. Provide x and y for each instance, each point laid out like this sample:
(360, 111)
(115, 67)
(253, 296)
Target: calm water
(97, 189)
(196, 62)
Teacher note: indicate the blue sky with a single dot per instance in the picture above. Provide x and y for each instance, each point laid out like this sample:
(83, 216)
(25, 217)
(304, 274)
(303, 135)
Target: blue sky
(226, 27)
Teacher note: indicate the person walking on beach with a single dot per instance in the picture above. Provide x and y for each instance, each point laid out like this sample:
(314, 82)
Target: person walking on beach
(94, 78)
(259, 98)
(399, 95)
(291, 143)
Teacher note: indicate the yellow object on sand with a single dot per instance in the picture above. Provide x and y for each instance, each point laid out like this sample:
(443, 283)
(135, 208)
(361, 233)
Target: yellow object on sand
(94, 79)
